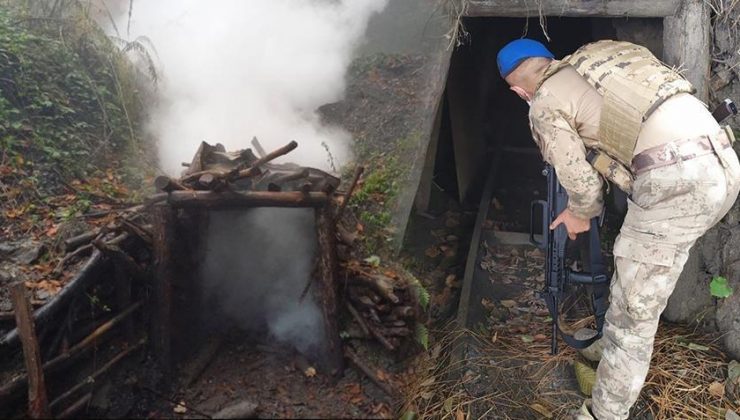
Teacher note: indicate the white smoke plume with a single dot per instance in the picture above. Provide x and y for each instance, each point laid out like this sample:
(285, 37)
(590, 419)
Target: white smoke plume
(258, 262)
(234, 69)
(231, 70)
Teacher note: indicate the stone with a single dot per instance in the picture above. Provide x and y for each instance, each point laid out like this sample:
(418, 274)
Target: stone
(691, 296)
(728, 313)
(731, 246)
(22, 252)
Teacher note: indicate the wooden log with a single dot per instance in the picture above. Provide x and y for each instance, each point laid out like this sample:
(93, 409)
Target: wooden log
(74, 409)
(161, 301)
(687, 44)
(90, 380)
(258, 147)
(121, 259)
(9, 389)
(572, 8)
(360, 320)
(378, 282)
(38, 405)
(155, 199)
(76, 241)
(355, 179)
(277, 183)
(326, 288)
(254, 168)
(86, 276)
(139, 231)
(211, 182)
(167, 184)
(236, 199)
(369, 372)
(63, 262)
(396, 332)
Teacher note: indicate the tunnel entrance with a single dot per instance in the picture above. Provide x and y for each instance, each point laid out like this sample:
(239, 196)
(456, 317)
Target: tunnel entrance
(483, 126)
(486, 159)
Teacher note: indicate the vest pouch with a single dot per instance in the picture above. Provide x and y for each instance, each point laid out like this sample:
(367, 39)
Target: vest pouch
(611, 169)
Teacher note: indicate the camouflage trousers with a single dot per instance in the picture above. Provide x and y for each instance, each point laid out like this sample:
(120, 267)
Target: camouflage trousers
(670, 208)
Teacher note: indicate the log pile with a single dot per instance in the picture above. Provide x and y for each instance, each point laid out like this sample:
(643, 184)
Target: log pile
(131, 259)
(215, 169)
(94, 308)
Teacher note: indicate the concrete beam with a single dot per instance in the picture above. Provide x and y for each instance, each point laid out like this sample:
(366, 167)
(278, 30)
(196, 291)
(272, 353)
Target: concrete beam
(572, 8)
(687, 44)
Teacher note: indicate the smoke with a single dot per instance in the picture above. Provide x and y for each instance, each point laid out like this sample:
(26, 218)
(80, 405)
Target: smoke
(233, 69)
(257, 264)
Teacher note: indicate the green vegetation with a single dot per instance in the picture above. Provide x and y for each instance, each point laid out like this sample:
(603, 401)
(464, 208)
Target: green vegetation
(719, 287)
(71, 107)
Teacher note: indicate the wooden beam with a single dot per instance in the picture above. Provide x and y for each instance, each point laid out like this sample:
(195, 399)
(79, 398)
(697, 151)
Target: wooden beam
(572, 8)
(326, 288)
(687, 44)
(234, 199)
(38, 405)
(161, 300)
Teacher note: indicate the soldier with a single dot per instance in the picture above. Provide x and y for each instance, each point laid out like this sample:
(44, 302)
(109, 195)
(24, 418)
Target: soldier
(642, 130)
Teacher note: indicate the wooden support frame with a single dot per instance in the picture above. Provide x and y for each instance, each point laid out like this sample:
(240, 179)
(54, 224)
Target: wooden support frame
(160, 307)
(687, 44)
(326, 292)
(571, 8)
(323, 281)
(38, 405)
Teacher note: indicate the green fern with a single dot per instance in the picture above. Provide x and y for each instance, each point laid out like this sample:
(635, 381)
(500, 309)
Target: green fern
(421, 334)
(422, 295)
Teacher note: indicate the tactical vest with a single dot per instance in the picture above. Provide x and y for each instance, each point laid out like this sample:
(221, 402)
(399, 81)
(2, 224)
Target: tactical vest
(633, 84)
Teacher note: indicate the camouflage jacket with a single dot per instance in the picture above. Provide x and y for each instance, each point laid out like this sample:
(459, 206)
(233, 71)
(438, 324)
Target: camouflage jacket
(564, 118)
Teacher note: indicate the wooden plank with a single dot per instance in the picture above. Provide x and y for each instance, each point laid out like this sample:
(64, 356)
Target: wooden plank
(38, 405)
(234, 199)
(424, 193)
(161, 302)
(326, 290)
(572, 8)
(687, 44)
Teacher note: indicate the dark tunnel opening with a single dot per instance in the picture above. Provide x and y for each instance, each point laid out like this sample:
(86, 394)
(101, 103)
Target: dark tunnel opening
(484, 126)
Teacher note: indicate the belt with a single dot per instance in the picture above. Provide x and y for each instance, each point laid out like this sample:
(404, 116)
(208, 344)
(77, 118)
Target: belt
(676, 151)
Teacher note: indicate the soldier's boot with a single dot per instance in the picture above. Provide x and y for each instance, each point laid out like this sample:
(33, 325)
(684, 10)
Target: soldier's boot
(585, 412)
(594, 351)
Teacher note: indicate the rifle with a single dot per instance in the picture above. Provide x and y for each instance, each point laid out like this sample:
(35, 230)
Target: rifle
(558, 276)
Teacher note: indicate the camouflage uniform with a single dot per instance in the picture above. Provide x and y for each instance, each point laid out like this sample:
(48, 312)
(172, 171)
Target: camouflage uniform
(670, 208)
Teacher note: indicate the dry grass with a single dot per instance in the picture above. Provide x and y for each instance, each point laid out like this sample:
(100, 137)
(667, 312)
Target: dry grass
(505, 377)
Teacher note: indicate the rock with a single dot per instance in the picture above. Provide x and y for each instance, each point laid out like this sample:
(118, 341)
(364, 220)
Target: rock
(691, 296)
(728, 313)
(731, 247)
(240, 410)
(22, 252)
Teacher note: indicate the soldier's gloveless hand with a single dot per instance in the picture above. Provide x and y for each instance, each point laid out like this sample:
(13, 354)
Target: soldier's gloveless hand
(573, 224)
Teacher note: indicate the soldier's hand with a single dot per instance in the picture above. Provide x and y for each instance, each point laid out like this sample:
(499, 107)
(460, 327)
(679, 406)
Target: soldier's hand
(573, 224)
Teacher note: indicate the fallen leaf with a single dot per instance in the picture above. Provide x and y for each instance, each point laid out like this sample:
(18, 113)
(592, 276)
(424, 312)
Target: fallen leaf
(427, 395)
(540, 337)
(508, 303)
(310, 372)
(381, 375)
(459, 414)
(432, 252)
(527, 338)
(717, 389)
(180, 408)
(733, 371)
(541, 409)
